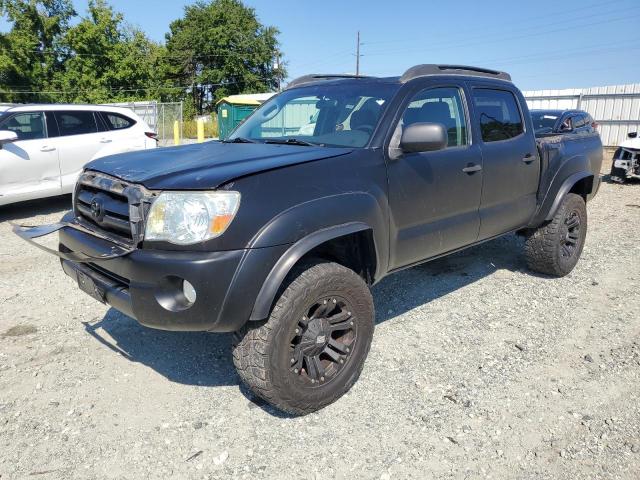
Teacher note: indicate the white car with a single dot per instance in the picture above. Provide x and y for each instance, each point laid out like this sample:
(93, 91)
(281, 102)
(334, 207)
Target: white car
(43, 148)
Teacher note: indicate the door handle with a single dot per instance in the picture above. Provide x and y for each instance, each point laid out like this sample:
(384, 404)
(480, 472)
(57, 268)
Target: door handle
(528, 158)
(472, 168)
(105, 140)
(47, 149)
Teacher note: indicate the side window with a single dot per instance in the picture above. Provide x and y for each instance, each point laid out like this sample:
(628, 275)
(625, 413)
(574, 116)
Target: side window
(117, 121)
(101, 121)
(76, 122)
(27, 125)
(579, 120)
(52, 126)
(439, 105)
(498, 113)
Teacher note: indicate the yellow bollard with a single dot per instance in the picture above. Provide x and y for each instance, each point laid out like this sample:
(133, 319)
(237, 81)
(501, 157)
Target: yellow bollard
(176, 133)
(200, 130)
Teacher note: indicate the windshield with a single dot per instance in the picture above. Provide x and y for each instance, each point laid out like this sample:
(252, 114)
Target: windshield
(338, 115)
(543, 122)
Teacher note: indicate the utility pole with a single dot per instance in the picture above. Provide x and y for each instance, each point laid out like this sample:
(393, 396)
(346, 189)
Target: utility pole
(278, 70)
(358, 54)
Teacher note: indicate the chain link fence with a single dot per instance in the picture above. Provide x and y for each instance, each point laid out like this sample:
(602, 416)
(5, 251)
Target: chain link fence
(160, 116)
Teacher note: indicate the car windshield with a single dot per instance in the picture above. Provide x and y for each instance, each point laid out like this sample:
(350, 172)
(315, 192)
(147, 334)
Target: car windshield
(341, 114)
(543, 122)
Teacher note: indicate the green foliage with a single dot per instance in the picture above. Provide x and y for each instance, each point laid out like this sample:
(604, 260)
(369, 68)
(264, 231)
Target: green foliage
(218, 48)
(28, 58)
(106, 60)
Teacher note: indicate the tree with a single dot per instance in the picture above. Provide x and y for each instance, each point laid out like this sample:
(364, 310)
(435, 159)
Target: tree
(220, 48)
(28, 53)
(107, 60)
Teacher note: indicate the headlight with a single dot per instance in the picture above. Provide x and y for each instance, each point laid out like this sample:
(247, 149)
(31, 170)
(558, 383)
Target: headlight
(184, 218)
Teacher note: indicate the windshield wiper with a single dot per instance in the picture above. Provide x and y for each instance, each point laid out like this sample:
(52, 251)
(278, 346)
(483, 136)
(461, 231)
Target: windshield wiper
(292, 141)
(239, 140)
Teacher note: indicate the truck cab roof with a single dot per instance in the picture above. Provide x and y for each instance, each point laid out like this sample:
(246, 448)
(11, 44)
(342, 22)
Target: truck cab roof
(417, 71)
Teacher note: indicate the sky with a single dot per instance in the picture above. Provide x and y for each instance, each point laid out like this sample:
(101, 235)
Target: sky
(543, 44)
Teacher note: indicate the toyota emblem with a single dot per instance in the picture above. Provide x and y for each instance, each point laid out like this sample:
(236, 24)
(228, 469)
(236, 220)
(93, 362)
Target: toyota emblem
(96, 209)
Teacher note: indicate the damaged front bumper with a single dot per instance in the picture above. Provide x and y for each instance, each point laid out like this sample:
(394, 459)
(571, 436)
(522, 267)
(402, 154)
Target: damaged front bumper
(626, 164)
(147, 284)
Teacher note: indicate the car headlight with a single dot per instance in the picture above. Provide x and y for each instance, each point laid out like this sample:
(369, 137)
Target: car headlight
(184, 218)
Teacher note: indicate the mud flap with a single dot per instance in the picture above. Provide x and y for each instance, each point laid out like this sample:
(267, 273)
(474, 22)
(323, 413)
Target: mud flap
(29, 233)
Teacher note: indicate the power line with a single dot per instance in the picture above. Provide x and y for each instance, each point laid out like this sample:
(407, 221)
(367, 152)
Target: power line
(136, 89)
(474, 42)
(545, 56)
(513, 25)
(166, 55)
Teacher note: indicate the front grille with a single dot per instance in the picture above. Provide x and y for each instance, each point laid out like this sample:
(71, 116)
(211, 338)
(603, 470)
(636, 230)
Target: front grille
(112, 206)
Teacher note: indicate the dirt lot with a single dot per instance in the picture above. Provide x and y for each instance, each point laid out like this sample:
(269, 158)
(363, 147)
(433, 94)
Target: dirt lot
(478, 370)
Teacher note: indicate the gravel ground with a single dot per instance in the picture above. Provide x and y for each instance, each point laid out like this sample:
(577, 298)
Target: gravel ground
(478, 369)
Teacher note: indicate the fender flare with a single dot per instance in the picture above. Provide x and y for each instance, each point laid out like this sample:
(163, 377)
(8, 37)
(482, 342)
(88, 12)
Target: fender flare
(566, 186)
(286, 262)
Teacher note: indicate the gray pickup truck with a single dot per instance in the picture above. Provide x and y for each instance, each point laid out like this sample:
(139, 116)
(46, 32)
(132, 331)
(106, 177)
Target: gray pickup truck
(277, 231)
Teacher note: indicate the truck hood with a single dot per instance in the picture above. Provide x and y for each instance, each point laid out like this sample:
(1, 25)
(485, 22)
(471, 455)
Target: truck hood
(206, 165)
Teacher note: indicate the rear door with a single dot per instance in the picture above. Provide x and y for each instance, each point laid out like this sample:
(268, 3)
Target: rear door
(121, 132)
(433, 200)
(511, 165)
(79, 142)
(29, 167)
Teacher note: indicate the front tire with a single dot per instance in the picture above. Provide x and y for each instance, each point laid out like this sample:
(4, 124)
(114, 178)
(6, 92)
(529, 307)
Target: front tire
(555, 247)
(312, 348)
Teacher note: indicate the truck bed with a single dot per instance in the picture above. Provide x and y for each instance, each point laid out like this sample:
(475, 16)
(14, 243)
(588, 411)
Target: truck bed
(559, 153)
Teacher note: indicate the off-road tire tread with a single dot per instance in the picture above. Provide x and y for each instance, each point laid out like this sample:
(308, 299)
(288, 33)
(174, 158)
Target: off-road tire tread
(251, 342)
(541, 243)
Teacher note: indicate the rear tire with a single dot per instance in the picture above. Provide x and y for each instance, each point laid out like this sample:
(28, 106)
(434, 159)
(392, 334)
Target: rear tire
(312, 348)
(555, 247)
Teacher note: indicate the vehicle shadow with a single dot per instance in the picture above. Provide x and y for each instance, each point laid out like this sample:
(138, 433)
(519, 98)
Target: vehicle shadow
(32, 208)
(408, 289)
(204, 359)
(628, 181)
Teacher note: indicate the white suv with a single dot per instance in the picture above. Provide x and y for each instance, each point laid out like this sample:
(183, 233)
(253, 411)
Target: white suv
(43, 148)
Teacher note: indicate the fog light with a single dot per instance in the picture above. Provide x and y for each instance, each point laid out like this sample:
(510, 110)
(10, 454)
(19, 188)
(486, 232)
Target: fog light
(189, 291)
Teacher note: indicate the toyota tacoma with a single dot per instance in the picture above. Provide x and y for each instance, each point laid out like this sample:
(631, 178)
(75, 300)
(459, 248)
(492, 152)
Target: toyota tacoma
(277, 232)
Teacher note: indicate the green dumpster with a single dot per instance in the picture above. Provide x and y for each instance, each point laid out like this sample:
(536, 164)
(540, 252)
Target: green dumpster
(235, 108)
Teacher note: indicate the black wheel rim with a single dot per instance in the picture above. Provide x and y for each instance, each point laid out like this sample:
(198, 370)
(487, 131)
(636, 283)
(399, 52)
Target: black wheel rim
(569, 244)
(323, 341)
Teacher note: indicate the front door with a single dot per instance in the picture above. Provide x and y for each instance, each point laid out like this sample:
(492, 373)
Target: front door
(434, 196)
(29, 167)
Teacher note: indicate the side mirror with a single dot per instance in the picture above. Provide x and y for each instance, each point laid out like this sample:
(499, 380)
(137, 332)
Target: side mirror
(423, 137)
(632, 134)
(7, 136)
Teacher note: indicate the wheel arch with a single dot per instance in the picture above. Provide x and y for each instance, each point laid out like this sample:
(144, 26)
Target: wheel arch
(580, 183)
(337, 243)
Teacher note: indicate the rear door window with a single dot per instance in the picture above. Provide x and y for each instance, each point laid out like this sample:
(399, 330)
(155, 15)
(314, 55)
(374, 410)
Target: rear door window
(76, 122)
(498, 114)
(117, 121)
(27, 125)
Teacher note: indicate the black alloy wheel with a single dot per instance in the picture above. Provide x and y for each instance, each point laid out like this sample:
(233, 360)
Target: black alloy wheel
(323, 341)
